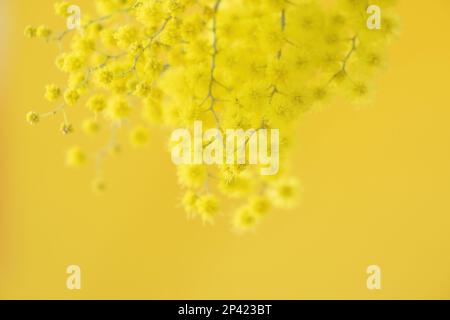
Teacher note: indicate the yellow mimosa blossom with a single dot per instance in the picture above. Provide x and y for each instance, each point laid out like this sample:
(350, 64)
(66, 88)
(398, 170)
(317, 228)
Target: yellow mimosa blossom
(228, 64)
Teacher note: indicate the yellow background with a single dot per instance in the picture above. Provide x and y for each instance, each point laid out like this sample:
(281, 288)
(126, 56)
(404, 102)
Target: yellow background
(377, 191)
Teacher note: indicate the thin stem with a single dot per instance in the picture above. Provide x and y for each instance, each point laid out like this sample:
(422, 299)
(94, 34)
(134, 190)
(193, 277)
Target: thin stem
(279, 55)
(66, 119)
(103, 65)
(283, 27)
(151, 40)
(104, 151)
(212, 79)
(345, 61)
(53, 112)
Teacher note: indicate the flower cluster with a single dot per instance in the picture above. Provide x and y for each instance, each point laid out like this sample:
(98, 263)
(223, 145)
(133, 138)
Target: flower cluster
(232, 64)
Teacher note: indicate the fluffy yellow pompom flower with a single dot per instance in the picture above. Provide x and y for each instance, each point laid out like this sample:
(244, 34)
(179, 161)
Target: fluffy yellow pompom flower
(91, 126)
(105, 77)
(96, 103)
(207, 207)
(75, 157)
(189, 202)
(285, 193)
(33, 117)
(125, 36)
(192, 176)
(119, 109)
(143, 89)
(139, 137)
(260, 205)
(61, 8)
(60, 60)
(245, 219)
(71, 96)
(30, 32)
(52, 92)
(73, 62)
(43, 32)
